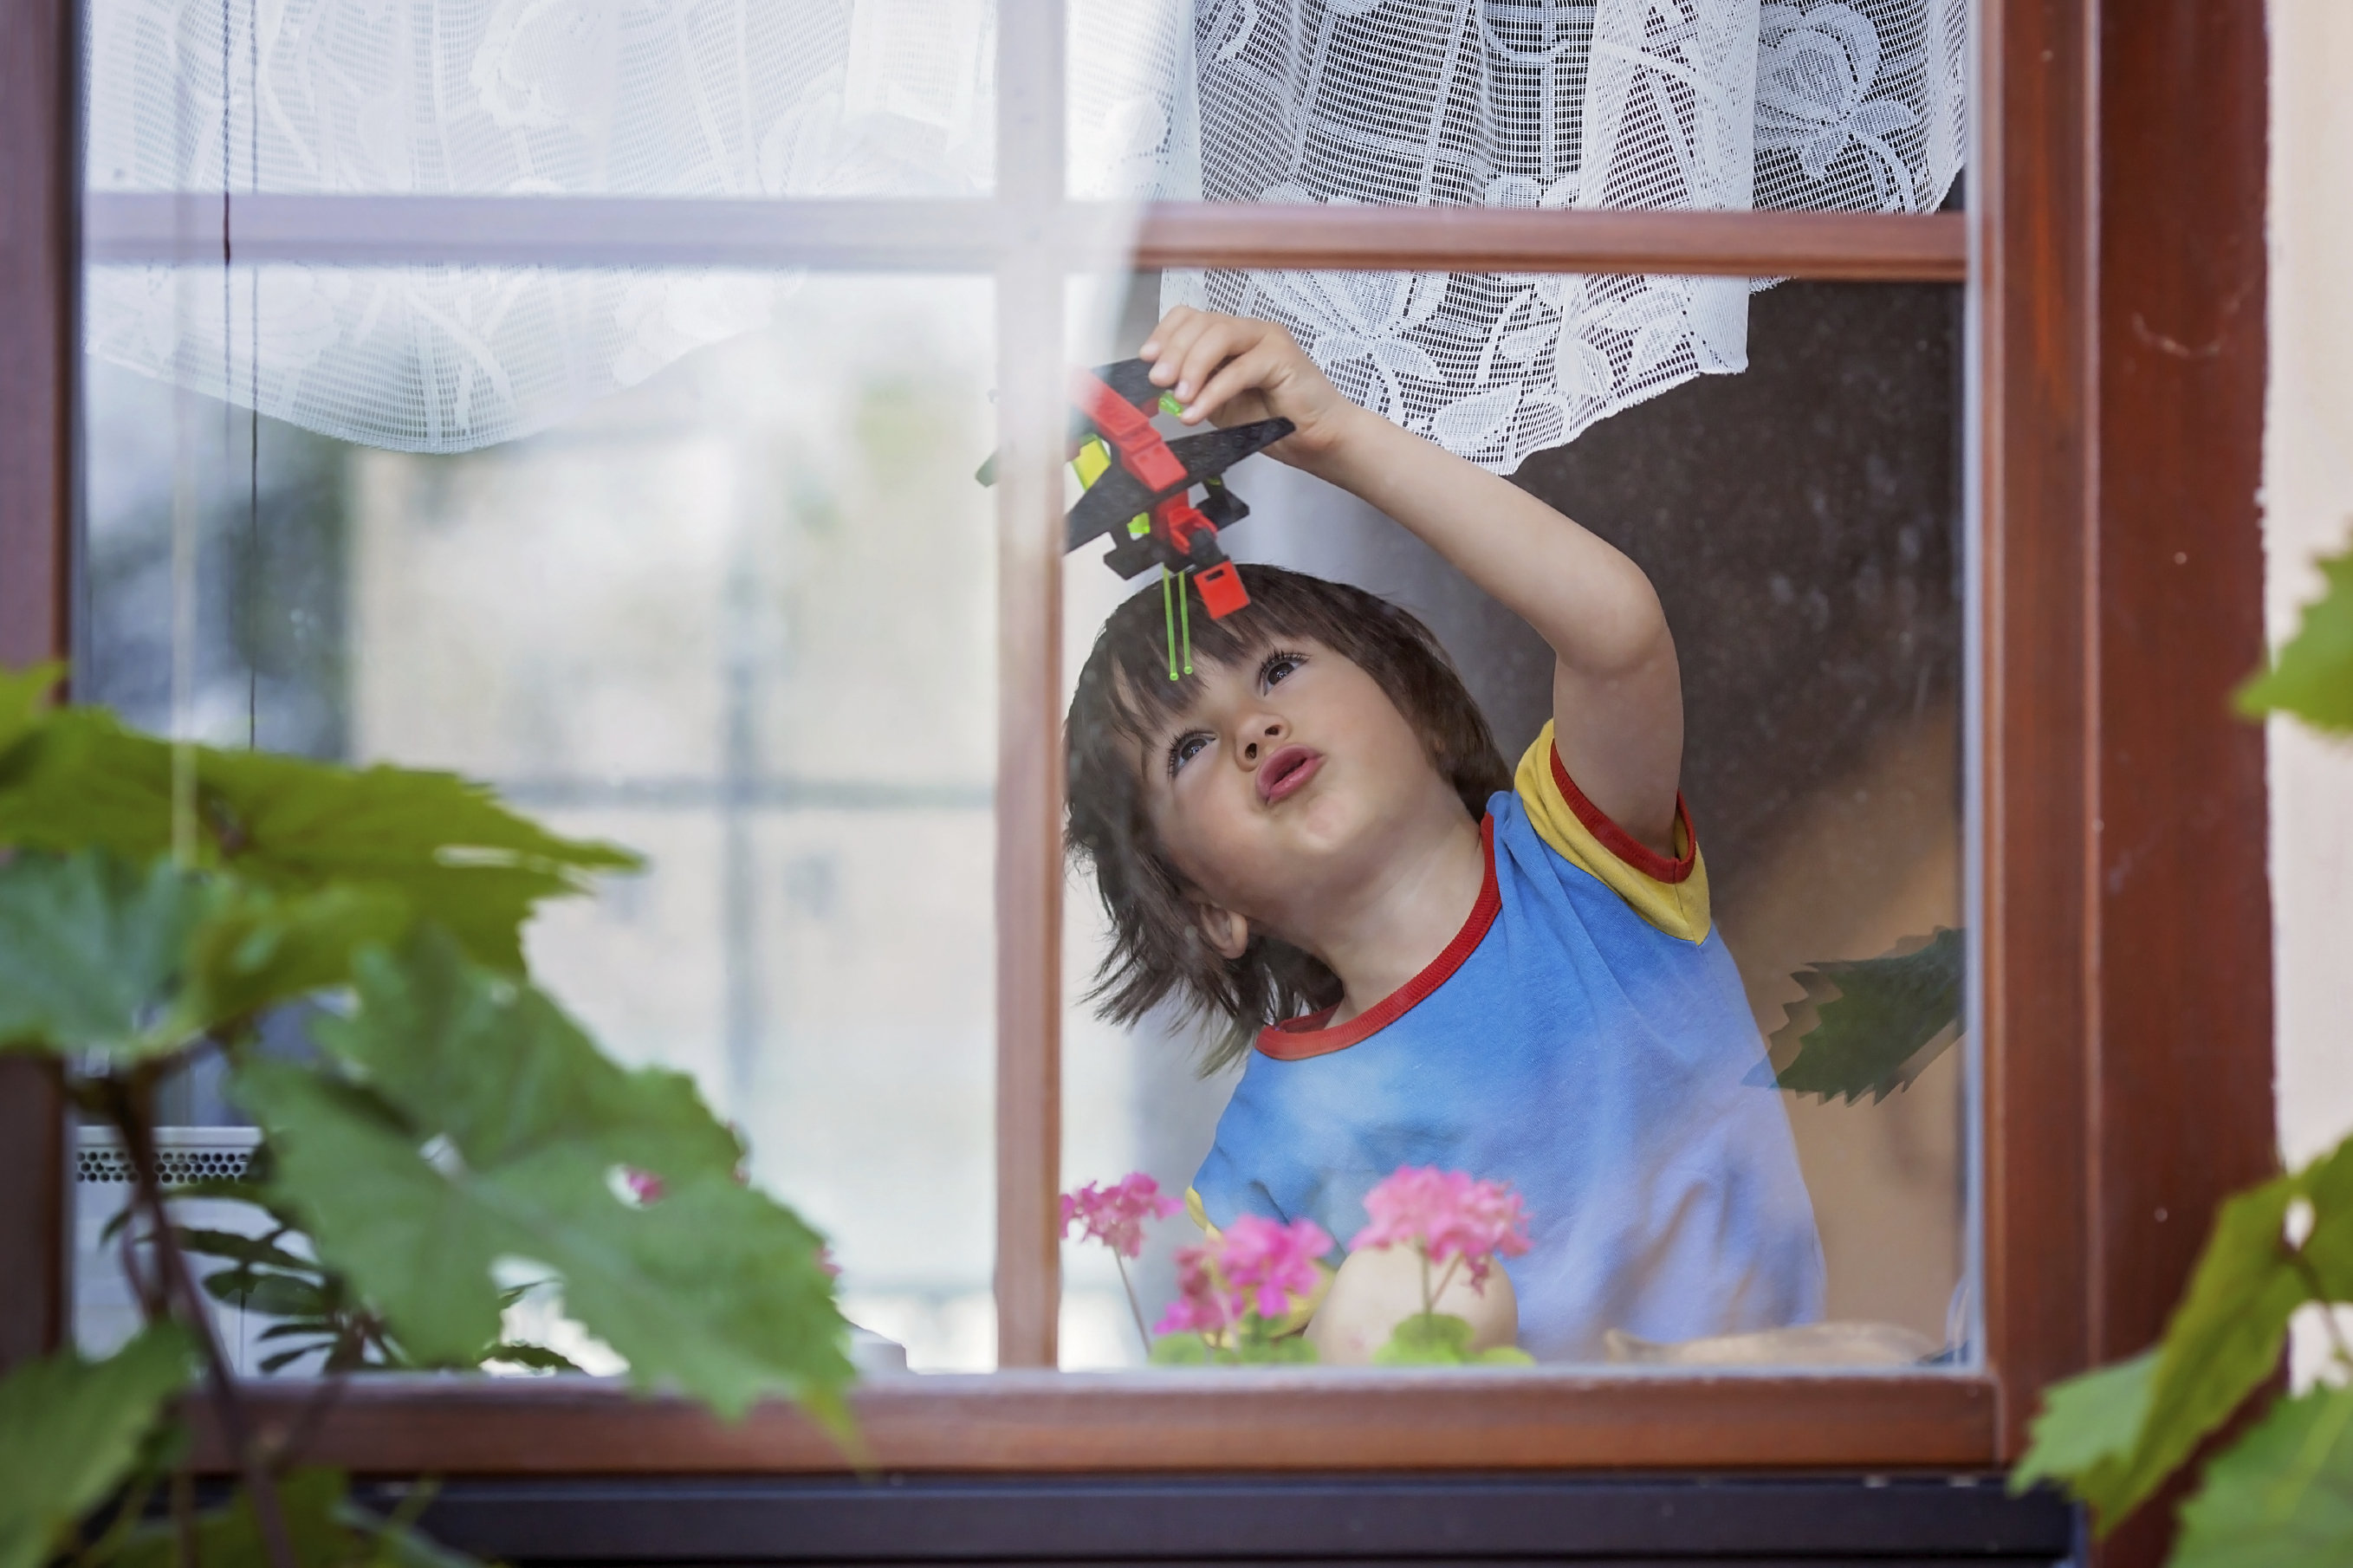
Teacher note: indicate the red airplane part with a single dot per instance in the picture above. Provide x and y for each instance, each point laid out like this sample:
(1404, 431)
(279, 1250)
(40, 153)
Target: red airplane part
(1221, 590)
(1129, 431)
(1179, 522)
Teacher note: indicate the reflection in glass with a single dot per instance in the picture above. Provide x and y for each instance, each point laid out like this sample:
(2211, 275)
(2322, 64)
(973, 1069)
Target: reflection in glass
(1802, 525)
(739, 617)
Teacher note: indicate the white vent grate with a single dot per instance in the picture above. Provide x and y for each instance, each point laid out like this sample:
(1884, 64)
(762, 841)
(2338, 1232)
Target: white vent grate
(103, 1166)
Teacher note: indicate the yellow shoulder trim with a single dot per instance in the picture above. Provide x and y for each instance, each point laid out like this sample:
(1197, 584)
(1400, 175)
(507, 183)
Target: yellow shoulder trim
(1664, 892)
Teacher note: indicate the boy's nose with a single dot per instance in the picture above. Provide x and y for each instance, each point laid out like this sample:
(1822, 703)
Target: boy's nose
(1259, 736)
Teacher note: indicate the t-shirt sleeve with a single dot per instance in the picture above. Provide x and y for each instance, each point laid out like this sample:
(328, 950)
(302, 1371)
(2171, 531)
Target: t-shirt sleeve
(1671, 894)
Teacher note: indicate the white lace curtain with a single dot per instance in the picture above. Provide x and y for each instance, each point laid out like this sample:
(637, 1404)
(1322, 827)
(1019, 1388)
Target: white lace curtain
(1715, 104)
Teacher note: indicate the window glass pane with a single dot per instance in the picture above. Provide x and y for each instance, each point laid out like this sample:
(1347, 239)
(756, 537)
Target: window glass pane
(819, 98)
(1801, 524)
(740, 617)
(1551, 103)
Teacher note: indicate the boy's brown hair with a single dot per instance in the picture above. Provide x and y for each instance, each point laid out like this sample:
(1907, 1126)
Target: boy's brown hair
(1124, 695)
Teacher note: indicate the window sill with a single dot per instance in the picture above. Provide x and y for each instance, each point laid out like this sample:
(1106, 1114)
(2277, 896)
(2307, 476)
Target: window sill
(1100, 1422)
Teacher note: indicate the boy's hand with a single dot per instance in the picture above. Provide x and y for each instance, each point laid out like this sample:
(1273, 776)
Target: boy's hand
(1231, 370)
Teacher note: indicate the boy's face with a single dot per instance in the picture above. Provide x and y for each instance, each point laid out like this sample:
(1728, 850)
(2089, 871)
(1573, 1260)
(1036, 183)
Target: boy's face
(1286, 787)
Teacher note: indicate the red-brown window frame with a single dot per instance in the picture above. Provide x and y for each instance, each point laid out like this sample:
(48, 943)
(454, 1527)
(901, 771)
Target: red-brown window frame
(2113, 252)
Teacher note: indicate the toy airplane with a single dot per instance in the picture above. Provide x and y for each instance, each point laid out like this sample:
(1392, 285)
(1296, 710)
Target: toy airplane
(1139, 484)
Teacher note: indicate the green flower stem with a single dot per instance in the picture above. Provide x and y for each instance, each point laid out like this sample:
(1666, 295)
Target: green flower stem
(132, 1104)
(1134, 1306)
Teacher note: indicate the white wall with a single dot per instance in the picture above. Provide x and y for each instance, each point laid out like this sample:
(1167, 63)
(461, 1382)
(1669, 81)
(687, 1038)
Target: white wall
(2309, 511)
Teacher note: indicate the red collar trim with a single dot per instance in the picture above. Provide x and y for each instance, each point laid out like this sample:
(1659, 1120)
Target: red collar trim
(1296, 1039)
(1619, 842)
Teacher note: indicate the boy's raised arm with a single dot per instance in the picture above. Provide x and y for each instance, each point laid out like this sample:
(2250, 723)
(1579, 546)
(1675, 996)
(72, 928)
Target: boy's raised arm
(1617, 695)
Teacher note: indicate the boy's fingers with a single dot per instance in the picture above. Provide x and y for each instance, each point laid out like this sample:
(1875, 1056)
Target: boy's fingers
(1175, 340)
(1172, 318)
(1222, 340)
(1246, 373)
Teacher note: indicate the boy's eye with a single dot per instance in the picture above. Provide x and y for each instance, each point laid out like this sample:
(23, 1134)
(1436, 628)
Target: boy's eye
(1183, 749)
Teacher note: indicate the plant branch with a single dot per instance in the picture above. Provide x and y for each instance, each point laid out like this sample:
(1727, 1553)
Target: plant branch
(130, 1106)
(1134, 1306)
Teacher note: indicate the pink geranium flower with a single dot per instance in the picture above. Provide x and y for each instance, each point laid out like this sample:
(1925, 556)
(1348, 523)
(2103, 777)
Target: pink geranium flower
(1114, 1216)
(1267, 1263)
(1448, 1218)
(1203, 1304)
(1255, 1264)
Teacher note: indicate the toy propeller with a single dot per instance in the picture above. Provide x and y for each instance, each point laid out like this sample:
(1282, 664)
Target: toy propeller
(1139, 484)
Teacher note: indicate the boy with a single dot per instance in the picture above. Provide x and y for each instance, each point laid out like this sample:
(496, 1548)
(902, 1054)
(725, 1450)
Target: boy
(1427, 959)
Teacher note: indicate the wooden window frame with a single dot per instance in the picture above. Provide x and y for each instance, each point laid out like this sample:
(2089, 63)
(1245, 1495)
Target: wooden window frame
(2113, 256)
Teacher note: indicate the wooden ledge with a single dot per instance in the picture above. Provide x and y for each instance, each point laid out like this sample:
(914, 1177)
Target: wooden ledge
(1272, 1420)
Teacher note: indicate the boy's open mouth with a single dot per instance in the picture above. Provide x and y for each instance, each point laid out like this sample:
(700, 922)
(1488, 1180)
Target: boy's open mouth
(1287, 772)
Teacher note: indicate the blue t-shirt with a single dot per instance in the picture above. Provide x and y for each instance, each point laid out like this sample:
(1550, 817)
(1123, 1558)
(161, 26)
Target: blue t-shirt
(1585, 1038)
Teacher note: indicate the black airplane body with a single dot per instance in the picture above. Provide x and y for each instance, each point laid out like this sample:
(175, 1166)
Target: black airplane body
(1141, 491)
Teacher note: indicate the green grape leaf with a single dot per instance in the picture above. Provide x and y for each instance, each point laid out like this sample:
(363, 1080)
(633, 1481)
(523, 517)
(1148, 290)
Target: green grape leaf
(2113, 1435)
(2328, 1185)
(2222, 1341)
(24, 699)
(99, 956)
(474, 1123)
(71, 1430)
(2312, 677)
(2282, 1495)
(2088, 1426)
(1872, 1026)
(443, 846)
(258, 948)
(499, 1068)
(91, 952)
